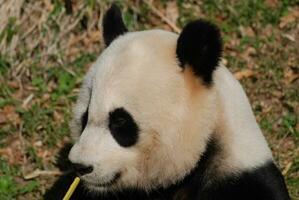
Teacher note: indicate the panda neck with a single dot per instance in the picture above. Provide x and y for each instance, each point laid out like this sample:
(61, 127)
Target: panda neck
(198, 178)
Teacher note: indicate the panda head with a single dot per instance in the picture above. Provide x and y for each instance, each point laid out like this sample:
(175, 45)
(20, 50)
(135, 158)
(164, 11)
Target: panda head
(147, 108)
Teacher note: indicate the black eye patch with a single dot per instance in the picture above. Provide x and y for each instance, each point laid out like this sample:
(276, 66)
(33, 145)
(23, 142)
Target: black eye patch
(123, 127)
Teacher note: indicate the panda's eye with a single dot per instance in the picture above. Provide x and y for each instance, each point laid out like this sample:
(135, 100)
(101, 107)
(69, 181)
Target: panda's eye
(119, 121)
(123, 127)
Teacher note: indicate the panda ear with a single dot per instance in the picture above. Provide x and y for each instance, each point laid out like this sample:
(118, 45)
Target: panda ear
(200, 47)
(113, 25)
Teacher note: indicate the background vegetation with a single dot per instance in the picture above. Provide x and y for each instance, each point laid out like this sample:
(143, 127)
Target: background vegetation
(46, 46)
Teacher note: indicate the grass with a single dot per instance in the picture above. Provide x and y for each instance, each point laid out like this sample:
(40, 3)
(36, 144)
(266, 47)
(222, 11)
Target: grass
(9, 188)
(45, 52)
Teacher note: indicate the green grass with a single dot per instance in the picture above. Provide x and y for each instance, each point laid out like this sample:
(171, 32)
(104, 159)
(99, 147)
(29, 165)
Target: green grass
(9, 188)
(10, 30)
(53, 75)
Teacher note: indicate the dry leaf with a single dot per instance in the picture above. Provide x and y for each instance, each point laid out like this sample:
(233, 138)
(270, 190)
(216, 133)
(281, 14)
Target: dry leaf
(2, 118)
(13, 152)
(48, 5)
(38, 143)
(289, 37)
(247, 31)
(58, 117)
(243, 74)
(7, 153)
(18, 95)
(246, 55)
(13, 84)
(10, 114)
(290, 76)
(233, 42)
(94, 36)
(271, 3)
(267, 31)
(249, 51)
(290, 18)
(46, 97)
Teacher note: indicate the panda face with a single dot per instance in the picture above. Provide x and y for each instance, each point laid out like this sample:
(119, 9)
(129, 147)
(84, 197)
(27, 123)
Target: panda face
(144, 115)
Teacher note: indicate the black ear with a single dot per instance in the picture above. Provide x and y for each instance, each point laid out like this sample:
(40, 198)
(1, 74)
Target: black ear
(200, 46)
(113, 25)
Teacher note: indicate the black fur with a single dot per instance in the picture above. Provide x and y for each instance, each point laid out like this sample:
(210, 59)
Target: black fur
(200, 46)
(263, 183)
(84, 117)
(84, 120)
(123, 127)
(113, 25)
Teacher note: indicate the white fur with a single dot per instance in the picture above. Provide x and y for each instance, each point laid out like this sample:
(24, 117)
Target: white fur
(241, 138)
(176, 115)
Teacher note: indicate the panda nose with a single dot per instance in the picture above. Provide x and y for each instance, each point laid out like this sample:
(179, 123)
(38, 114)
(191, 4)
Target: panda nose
(82, 169)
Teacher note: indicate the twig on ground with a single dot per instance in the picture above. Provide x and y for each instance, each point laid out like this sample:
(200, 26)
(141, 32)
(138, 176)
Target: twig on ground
(27, 100)
(66, 31)
(36, 173)
(163, 17)
(287, 168)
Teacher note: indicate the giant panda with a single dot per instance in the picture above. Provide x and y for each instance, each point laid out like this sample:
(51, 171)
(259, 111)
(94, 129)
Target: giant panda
(159, 117)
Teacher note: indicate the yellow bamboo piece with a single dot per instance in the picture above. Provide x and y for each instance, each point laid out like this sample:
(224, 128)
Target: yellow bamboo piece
(72, 188)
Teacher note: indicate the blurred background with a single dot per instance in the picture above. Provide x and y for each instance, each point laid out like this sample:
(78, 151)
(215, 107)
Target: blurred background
(46, 46)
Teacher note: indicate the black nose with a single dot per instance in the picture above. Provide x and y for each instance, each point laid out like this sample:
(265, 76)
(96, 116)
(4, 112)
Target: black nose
(82, 169)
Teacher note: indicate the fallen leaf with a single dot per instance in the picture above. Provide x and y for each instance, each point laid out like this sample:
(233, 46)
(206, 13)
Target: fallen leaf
(46, 97)
(18, 95)
(13, 152)
(2, 118)
(249, 51)
(13, 84)
(267, 31)
(7, 153)
(48, 5)
(38, 143)
(75, 39)
(289, 37)
(243, 74)
(10, 114)
(247, 31)
(233, 42)
(290, 76)
(58, 117)
(247, 56)
(271, 3)
(290, 18)
(94, 36)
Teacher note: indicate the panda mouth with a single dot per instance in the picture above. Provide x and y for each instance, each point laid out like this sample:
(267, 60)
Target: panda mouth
(110, 182)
